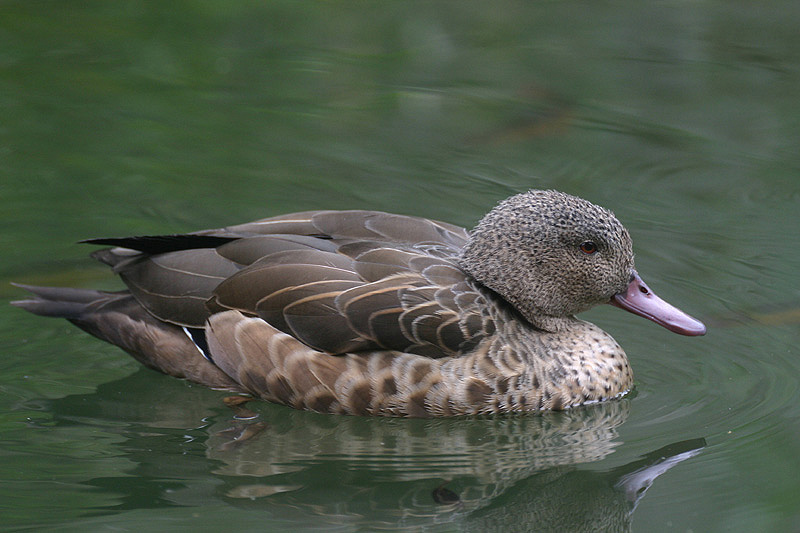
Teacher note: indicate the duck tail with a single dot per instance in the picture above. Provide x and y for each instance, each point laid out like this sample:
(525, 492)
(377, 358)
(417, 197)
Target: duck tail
(63, 302)
(117, 317)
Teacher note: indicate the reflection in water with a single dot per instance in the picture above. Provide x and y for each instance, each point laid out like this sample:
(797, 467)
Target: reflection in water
(489, 448)
(561, 500)
(487, 474)
(505, 473)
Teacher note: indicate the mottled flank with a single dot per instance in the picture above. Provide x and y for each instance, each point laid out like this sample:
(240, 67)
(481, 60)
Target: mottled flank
(369, 313)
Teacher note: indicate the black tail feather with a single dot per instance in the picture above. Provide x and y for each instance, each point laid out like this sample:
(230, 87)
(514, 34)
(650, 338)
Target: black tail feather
(159, 244)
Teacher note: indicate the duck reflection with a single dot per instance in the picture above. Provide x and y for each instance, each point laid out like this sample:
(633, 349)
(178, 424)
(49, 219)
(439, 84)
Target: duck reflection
(501, 473)
(515, 473)
(560, 500)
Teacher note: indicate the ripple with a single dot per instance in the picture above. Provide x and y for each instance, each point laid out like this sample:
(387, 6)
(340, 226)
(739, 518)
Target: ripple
(743, 394)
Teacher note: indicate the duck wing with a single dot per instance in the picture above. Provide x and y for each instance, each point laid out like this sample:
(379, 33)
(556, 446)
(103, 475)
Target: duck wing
(339, 281)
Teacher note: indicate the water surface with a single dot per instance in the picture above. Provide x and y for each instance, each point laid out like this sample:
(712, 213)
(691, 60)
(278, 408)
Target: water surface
(151, 117)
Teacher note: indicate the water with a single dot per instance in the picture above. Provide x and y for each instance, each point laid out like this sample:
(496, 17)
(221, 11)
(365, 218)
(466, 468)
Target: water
(149, 117)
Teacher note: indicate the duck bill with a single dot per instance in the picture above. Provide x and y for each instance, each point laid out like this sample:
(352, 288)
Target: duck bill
(640, 300)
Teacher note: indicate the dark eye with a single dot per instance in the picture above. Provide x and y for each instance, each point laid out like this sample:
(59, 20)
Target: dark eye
(588, 247)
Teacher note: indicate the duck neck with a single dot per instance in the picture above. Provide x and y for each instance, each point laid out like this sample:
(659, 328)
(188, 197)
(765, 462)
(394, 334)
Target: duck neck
(550, 324)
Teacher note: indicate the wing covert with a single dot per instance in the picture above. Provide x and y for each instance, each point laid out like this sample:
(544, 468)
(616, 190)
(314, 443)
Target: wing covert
(339, 281)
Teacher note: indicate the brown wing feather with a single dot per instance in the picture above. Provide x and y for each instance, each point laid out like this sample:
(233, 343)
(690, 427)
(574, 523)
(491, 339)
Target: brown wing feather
(386, 227)
(246, 288)
(359, 304)
(175, 286)
(288, 224)
(271, 307)
(379, 263)
(248, 251)
(338, 281)
(315, 321)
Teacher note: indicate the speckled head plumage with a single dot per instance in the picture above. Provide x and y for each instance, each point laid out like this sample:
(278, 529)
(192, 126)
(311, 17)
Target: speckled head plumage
(550, 255)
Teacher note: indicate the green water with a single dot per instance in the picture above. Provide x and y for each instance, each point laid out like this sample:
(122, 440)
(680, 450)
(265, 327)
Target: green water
(120, 118)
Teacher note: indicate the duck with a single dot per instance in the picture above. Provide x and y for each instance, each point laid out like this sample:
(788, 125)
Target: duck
(377, 314)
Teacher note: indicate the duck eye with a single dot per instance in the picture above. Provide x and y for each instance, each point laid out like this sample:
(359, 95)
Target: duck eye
(588, 247)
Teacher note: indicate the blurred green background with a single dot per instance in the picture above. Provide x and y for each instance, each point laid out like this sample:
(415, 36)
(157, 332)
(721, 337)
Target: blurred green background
(141, 117)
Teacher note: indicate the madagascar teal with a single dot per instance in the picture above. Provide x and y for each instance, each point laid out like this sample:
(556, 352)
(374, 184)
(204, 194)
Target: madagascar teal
(371, 313)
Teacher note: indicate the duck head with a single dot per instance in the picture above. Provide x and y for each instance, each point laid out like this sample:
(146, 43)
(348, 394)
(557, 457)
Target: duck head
(552, 255)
